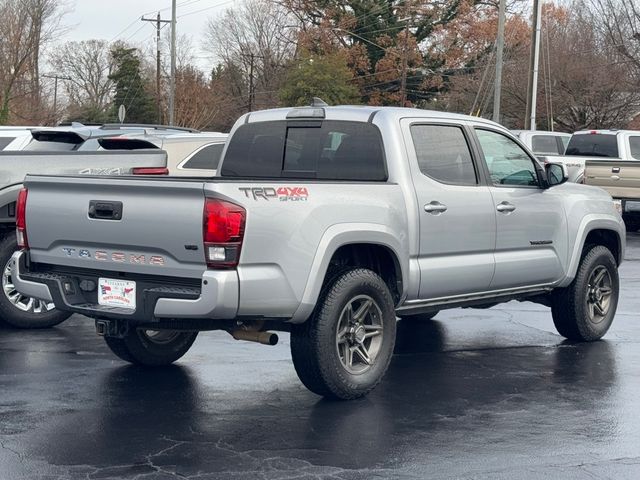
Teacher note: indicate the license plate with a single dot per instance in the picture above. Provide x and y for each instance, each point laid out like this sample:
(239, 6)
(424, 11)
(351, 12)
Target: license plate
(631, 206)
(117, 293)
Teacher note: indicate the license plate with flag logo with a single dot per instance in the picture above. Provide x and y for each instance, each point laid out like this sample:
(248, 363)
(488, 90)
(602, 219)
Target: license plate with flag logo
(117, 293)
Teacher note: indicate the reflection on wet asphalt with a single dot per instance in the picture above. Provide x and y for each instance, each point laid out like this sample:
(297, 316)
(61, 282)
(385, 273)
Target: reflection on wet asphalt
(473, 394)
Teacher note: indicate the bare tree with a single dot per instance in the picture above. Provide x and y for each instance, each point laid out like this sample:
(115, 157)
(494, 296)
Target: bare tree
(26, 26)
(257, 38)
(87, 65)
(620, 22)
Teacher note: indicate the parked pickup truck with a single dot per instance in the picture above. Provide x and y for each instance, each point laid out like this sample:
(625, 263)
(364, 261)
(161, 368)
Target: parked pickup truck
(597, 145)
(21, 310)
(326, 222)
(621, 178)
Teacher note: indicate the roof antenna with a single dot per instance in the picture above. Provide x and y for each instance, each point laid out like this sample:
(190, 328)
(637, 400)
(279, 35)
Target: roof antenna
(318, 102)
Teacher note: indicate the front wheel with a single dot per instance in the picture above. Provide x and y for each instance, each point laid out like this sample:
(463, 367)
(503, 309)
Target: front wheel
(344, 349)
(585, 309)
(19, 310)
(151, 348)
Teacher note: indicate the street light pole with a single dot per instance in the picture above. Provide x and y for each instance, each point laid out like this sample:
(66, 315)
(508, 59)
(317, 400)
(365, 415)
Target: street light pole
(532, 90)
(172, 81)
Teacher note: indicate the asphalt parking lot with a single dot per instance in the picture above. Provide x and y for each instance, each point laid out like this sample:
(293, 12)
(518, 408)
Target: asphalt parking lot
(473, 394)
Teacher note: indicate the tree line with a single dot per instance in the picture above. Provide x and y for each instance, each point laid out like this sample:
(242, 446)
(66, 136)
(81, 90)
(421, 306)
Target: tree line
(267, 53)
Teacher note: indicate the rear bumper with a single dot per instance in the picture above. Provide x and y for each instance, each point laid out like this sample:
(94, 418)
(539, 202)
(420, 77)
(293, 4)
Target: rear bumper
(215, 297)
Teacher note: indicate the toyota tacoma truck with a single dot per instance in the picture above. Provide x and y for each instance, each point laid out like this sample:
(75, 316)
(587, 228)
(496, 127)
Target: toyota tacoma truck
(23, 311)
(328, 223)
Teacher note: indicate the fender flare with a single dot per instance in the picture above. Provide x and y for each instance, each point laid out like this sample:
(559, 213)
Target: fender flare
(338, 236)
(588, 224)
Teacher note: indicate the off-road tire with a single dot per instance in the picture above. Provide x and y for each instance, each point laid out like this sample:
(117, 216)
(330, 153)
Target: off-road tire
(136, 347)
(11, 314)
(569, 306)
(420, 317)
(313, 343)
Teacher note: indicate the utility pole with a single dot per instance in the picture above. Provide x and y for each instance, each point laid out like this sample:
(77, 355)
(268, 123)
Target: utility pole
(532, 89)
(405, 54)
(172, 82)
(56, 77)
(158, 21)
(499, 48)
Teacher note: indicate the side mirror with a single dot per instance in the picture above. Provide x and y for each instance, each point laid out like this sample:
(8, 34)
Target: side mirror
(556, 173)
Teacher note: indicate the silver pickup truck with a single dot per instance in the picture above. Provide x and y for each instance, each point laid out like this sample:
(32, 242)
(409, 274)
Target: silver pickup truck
(327, 222)
(21, 310)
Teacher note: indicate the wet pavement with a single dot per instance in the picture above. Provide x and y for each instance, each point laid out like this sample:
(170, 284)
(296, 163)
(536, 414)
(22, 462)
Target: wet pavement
(482, 394)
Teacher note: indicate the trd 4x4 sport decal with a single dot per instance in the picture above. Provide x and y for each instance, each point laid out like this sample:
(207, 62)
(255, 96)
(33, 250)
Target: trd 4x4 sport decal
(284, 194)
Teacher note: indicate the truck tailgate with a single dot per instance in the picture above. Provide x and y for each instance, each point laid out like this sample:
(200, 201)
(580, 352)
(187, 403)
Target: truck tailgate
(621, 178)
(119, 224)
(15, 165)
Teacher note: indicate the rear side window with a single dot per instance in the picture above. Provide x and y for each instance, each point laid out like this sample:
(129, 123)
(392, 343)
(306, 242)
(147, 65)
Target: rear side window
(544, 144)
(634, 146)
(327, 150)
(206, 158)
(593, 145)
(4, 141)
(443, 154)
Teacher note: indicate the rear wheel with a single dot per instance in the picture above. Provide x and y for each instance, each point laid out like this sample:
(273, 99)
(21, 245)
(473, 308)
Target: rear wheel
(151, 347)
(344, 349)
(19, 310)
(585, 309)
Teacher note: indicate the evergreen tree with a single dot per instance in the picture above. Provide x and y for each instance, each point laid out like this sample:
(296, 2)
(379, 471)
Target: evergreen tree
(327, 77)
(130, 87)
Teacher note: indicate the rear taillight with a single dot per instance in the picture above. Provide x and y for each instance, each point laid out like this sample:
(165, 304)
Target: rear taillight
(223, 232)
(21, 219)
(150, 171)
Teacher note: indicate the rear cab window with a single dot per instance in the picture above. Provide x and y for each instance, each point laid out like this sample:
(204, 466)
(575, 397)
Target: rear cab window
(316, 149)
(541, 144)
(594, 145)
(443, 154)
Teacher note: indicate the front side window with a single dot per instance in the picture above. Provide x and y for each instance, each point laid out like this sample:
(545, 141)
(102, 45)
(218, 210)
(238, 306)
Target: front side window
(443, 154)
(508, 163)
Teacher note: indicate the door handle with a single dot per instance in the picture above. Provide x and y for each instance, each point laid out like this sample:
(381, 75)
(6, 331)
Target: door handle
(435, 208)
(615, 170)
(505, 207)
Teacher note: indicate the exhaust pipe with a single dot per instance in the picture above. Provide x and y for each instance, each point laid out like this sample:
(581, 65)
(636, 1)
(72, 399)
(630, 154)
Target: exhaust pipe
(265, 338)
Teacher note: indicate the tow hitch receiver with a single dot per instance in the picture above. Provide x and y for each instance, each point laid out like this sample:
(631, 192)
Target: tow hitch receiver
(111, 328)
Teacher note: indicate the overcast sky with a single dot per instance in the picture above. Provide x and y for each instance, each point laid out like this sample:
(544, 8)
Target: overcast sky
(120, 19)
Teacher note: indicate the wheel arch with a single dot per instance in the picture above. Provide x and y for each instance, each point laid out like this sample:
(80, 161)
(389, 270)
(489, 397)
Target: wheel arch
(596, 231)
(368, 246)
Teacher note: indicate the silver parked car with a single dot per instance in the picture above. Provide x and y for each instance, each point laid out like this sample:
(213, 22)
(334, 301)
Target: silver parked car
(194, 154)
